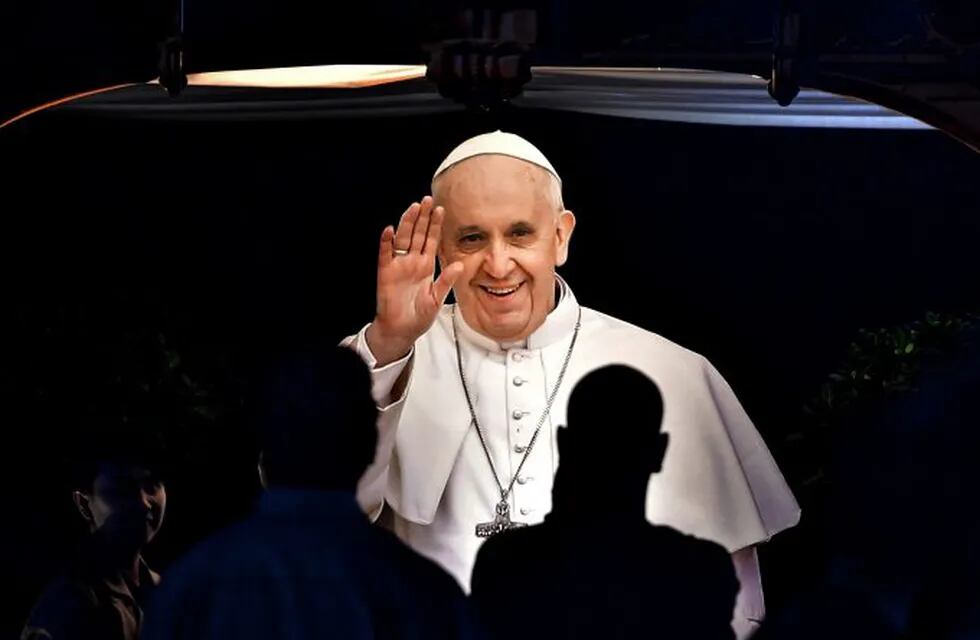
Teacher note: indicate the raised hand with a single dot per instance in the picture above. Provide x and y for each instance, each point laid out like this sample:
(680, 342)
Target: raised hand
(408, 296)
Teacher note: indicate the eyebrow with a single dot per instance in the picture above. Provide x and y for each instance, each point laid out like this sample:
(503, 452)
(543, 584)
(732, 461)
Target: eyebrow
(472, 228)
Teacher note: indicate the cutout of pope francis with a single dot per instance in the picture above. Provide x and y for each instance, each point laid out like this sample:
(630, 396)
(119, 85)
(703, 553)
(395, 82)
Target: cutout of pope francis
(471, 394)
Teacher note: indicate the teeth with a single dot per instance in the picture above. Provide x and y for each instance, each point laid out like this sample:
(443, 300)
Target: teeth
(501, 292)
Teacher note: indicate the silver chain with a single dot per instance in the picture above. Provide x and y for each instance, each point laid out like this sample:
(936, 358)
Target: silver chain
(504, 493)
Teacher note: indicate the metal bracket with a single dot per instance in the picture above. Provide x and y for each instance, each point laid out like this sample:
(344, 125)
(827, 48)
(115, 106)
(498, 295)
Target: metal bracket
(173, 76)
(783, 85)
(489, 65)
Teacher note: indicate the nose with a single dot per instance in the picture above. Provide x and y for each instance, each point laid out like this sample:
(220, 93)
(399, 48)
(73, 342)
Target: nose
(147, 499)
(498, 262)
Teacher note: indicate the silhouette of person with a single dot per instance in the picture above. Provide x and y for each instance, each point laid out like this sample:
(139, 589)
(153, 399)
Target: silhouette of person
(119, 493)
(308, 563)
(903, 540)
(595, 568)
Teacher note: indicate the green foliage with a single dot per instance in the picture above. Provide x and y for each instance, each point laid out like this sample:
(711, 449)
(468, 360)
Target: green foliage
(884, 361)
(879, 362)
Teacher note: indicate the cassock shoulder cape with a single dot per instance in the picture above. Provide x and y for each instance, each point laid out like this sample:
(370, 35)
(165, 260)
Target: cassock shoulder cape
(719, 481)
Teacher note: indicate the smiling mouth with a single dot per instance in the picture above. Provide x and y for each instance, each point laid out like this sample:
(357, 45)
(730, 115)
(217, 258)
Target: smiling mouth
(501, 292)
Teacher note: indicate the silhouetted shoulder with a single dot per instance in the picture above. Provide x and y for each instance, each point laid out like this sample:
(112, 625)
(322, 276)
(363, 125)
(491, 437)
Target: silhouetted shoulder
(413, 564)
(356, 580)
(65, 609)
(436, 600)
(686, 556)
(509, 541)
(222, 551)
(504, 554)
(708, 554)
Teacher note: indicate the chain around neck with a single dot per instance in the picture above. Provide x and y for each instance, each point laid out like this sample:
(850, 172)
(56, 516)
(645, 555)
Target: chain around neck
(505, 492)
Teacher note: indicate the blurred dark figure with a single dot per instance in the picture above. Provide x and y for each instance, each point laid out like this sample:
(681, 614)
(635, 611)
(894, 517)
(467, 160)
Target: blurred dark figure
(308, 563)
(905, 544)
(595, 568)
(119, 493)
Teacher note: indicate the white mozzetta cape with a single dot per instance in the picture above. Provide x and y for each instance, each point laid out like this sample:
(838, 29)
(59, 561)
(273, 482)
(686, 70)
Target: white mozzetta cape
(719, 481)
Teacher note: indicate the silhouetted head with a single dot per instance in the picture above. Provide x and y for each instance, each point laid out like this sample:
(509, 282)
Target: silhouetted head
(118, 486)
(612, 443)
(316, 420)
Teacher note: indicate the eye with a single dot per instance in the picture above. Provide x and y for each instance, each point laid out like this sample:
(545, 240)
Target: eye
(470, 238)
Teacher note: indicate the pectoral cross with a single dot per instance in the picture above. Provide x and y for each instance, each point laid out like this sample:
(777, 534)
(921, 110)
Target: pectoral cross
(501, 522)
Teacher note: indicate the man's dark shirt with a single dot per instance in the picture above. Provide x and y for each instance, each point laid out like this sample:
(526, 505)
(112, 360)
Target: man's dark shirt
(307, 564)
(571, 578)
(91, 601)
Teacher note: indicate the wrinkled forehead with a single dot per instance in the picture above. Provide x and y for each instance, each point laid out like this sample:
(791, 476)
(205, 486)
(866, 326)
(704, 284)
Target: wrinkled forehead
(492, 180)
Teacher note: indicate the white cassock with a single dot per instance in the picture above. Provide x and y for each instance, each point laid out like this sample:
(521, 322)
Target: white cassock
(719, 481)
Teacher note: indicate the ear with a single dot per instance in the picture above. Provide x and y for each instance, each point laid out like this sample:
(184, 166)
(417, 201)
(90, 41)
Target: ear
(563, 235)
(82, 504)
(659, 451)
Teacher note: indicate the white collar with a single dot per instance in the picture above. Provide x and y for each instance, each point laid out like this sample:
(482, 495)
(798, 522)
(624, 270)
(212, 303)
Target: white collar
(556, 326)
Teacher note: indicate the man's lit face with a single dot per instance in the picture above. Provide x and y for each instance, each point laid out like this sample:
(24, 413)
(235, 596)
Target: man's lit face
(504, 224)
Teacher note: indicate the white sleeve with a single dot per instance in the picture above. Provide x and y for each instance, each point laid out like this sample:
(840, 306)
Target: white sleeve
(382, 378)
(371, 488)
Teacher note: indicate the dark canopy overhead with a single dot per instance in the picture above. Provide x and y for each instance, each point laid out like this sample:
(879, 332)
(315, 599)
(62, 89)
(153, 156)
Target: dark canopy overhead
(920, 57)
(669, 95)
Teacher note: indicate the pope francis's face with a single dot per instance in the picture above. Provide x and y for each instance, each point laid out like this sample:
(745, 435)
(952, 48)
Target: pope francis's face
(505, 224)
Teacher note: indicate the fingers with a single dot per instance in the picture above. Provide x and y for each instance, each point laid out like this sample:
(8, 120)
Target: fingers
(445, 282)
(386, 250)
(421, 229)
(403, 236)
(434, 236)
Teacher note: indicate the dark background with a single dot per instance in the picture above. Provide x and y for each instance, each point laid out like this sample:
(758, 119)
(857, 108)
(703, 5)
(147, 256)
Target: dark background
(764, 249)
